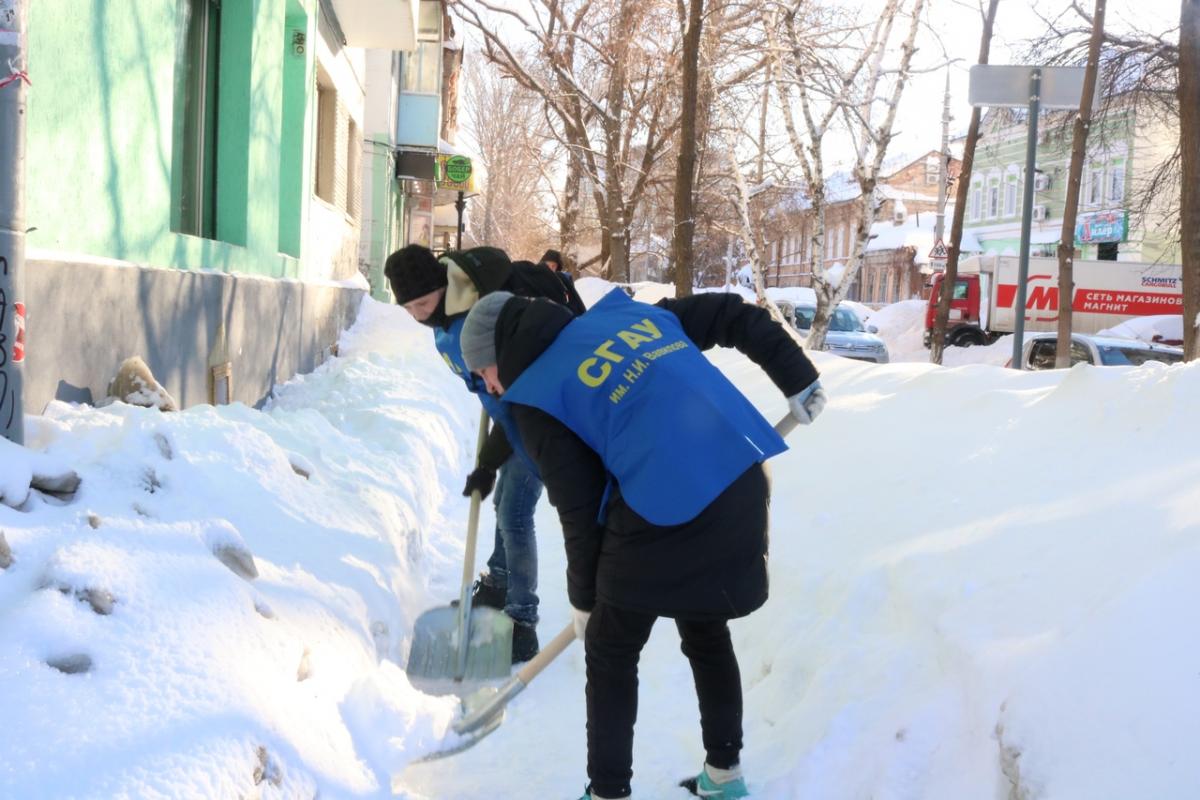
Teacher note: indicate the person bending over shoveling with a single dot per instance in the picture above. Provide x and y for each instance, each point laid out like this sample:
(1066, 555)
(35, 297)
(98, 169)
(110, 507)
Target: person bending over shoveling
(653, 461)
(438, 293)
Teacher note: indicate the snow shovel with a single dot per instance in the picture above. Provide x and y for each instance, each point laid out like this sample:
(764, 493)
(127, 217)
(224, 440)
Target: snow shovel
(483, 711)
(459, 642)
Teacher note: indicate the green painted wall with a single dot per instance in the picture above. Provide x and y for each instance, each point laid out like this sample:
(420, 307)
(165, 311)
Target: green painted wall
(1120, 141)
(292, 132)
(103, 128)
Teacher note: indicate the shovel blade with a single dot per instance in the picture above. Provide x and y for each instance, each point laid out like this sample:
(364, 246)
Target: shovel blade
(434, 653)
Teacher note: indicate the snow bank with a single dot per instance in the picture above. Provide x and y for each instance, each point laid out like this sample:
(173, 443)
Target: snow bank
(1145, 329)
(228, 594)
(997, 601)
(902, 326)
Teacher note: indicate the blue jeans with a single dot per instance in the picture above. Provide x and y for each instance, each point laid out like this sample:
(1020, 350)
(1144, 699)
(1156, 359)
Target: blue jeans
(513, 564)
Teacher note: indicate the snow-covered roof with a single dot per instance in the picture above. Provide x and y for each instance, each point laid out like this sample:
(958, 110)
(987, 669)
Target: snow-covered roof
(888, 192)
(917, 232)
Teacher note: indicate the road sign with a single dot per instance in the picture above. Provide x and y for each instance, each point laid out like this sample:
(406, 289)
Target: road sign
(1008, 86)
(939, 251)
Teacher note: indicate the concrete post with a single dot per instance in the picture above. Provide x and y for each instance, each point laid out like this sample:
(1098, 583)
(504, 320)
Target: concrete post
(12, 217)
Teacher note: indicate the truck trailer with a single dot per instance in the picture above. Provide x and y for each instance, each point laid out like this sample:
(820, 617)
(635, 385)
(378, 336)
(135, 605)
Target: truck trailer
(1106, 293)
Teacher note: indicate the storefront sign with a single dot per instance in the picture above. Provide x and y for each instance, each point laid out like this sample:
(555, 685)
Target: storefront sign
(1102, 226)
(455, 173)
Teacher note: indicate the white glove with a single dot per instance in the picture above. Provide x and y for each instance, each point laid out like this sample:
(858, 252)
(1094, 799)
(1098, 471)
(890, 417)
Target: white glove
(806, 405)
(580, 618)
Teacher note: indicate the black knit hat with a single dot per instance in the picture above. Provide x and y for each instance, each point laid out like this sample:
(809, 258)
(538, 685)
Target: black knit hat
(413, 272)
(556, 257)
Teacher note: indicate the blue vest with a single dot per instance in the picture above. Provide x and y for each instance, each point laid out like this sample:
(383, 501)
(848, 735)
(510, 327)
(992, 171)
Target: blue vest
(666, 423)
(448, 344)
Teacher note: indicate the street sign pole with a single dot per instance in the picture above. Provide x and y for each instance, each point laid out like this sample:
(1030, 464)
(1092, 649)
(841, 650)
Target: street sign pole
(1035, 91)
(1016, 87)
(12, 218)
(460, 205)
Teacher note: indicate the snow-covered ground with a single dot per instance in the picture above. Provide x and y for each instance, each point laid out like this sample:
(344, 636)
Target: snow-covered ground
(982, 587)
(902, 326)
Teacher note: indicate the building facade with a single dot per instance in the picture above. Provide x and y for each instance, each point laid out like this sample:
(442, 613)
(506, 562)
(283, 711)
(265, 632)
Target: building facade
(1124, 149)
(195, 188)
(911, 190)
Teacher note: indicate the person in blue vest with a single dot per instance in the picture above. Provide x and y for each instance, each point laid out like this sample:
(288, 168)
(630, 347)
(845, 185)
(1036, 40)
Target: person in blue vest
(654, 462)
(438, 293)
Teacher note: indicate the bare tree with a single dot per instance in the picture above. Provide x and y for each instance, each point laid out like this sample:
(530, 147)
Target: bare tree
(513, 200)
(1066, 242)
(606, 71)
(838, 75)
(691, 17)
(1139, 72)
(937, 338)
(1189, 138)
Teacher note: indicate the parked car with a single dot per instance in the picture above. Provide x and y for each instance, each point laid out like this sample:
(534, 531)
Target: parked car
(846, 337)
(1104, 351)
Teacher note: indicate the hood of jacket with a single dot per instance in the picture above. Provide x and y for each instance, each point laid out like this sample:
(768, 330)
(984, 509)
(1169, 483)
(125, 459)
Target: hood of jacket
(524, 330)
(470, 274)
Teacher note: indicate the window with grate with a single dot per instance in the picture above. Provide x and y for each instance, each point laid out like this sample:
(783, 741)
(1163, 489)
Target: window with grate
(327, 119)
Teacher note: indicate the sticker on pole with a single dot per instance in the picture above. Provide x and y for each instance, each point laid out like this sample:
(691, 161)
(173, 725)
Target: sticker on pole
(939, 251)
(10, 32)
(18, 353)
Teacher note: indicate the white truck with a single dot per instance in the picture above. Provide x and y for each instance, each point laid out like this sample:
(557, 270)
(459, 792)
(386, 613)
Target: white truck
(1106, 294)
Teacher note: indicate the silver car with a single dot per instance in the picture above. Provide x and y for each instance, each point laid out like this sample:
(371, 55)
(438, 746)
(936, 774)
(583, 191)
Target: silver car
(1041, 349)
(846, 337)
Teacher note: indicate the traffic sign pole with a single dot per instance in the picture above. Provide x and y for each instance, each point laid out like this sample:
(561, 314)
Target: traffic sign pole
(1035, 88)
(1014, 87)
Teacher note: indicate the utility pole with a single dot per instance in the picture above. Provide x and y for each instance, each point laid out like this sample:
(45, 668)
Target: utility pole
(944, 171)
(12, 218)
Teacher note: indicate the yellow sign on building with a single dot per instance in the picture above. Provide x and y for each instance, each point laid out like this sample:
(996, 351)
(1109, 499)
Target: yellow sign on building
(455, 173)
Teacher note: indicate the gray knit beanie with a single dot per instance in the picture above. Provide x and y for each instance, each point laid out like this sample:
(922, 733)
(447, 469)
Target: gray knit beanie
(478, 338)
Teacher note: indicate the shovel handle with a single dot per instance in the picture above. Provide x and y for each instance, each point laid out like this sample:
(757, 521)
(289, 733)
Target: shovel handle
(548, 653)
(786, 425)
(486, 716)
(468, 574)
(464, 593)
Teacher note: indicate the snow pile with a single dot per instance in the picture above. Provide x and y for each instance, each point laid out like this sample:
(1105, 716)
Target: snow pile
(592, 289)
(220, 610)
(1160, 328)
(902, 327)
(997, 602)
(976, 610)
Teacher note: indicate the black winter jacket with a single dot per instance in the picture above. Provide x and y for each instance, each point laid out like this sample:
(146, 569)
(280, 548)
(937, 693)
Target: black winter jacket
(714, 566)
(490, 270)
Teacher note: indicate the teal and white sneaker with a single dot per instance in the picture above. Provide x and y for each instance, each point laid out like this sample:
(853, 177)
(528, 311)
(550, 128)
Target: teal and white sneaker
(732, 784)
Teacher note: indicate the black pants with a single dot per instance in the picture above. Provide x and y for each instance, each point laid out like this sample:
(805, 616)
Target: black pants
(615, 638)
